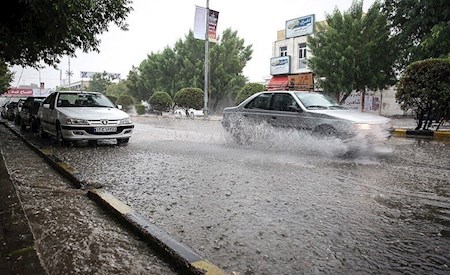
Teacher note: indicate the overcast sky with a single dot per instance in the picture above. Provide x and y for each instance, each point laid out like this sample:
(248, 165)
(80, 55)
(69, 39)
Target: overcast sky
(156, 24)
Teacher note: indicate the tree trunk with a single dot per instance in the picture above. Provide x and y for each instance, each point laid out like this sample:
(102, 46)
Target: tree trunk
(363, 99)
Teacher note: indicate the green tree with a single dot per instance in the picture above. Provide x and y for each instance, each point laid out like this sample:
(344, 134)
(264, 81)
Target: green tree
(117, 89)
(421, 28)
(5, 77)
(99, 82)
(112, 98)
(353, 52)
(189, 98)
(126, 101)
(248, 90)
(160, 101)
(183, 66)
(425, 88)
(228, 59)
(134, 85)
(44, 31)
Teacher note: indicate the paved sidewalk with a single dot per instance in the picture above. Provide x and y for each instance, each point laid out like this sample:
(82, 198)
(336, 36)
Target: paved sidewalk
(17, 250)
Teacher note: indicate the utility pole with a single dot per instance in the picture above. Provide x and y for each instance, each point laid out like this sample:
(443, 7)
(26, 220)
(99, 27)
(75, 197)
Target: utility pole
(205, 108)
(69, 72)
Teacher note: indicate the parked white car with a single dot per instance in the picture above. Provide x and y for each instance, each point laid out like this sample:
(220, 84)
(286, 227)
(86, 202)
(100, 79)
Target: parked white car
(192, 113)
(76, 115)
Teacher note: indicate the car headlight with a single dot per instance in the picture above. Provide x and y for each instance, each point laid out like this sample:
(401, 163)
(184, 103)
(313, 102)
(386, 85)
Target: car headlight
(77, 121)
(362, 126)
(125, 121)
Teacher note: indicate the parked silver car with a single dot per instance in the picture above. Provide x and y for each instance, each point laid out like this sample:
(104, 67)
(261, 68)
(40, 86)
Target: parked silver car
(308, 111)
(75, 115)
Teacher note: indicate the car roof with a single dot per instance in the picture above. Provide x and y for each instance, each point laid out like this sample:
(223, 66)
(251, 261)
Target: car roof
(287, 91)
(71, 92)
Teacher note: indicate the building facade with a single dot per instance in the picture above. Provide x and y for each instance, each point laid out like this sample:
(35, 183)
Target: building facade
(290, 53)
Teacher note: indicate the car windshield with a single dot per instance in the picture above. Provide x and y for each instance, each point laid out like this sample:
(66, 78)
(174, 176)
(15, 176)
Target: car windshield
(83, 100)
(317, 101)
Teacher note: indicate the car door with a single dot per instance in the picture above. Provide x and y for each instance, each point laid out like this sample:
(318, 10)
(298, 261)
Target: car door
(287, 113)
(258, 111)
(46, 114)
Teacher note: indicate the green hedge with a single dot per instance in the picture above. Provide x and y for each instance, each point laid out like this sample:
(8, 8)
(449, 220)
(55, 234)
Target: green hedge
(189, 98)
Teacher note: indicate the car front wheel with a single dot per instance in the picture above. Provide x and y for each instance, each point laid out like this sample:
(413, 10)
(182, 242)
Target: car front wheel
(59, 136)
(325, 131)
(122, 140)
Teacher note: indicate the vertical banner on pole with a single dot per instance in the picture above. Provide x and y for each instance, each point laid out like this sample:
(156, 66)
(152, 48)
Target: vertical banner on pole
(213, 17)
(200, 24)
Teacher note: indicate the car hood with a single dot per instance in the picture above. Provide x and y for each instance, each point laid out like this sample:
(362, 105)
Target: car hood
(354, 116)
(90, 113)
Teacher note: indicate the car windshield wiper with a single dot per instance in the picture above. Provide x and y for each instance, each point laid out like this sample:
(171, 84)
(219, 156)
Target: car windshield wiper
(104, 106)
(336, 107)
(317, 106)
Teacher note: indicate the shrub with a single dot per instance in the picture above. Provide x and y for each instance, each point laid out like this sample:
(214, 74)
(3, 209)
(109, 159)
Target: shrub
(126, 101)
(425, 88)
(112, 98)
(189, 98)
(248, 90)
(140, 109)
(160, 101)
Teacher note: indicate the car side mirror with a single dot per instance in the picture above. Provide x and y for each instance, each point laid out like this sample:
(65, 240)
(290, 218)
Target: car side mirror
(119, 107)
(46, 106)
(294, 108)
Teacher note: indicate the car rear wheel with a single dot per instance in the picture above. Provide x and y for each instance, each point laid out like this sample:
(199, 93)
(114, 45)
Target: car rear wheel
(42, 133)
(34, 125)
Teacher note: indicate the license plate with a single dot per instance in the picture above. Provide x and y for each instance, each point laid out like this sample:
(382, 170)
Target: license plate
(105, 129)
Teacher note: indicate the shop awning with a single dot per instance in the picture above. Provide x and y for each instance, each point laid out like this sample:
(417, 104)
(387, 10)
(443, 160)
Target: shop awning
(278, 82)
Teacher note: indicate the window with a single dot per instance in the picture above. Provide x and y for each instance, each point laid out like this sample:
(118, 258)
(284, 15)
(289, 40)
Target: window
(283, 51)
(302, 56)
(284, 102)
(260, 102)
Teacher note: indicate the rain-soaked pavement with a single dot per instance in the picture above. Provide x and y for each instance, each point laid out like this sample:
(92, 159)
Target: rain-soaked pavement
(284, 204)
(72, 234)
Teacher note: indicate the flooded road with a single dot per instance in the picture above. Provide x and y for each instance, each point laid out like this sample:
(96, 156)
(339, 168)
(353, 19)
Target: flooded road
(285, 203)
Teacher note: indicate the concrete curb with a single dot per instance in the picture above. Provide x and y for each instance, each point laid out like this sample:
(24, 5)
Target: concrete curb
(184, 257)
(441, 134)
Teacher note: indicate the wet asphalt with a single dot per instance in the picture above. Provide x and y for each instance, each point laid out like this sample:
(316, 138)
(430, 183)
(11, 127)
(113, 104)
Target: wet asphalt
(283, 204)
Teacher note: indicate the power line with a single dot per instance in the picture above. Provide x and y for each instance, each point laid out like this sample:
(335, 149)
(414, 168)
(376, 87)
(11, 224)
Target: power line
(20, 77)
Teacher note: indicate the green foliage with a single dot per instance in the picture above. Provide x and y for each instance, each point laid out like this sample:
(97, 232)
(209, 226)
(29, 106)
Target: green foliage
(35, 31)
(353, 52)
(160, 101)
(99, 82)
(248, 90)
(112, 98)
(5, 77)
(421, 28)
(189, 98)
(228, 59)
(183, 66)
(140, 109)
(135, 85)
(425, 88)
(126, 101)
(117, 89)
